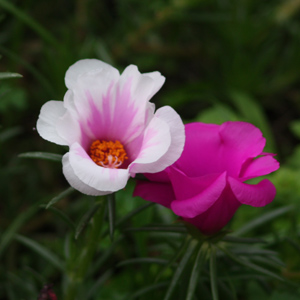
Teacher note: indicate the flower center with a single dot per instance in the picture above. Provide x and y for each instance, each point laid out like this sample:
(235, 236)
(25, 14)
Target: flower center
(108, 154)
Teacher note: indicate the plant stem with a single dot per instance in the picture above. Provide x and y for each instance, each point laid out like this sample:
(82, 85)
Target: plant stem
(82, 262)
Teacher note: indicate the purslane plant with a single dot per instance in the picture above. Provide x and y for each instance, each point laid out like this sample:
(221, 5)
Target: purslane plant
(110, 126)
(205, 186)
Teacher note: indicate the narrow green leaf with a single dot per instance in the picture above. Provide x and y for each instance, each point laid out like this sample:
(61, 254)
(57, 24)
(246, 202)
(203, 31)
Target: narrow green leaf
(9, 233)
(213, 273)
(250, 265)
(62, 195)
(9, 133)
(177, 229)
(141, 260)
(200, 259)
(22, 16)
(242, 240)
(146, 289)
(42, 155)
(63, 216)
(267, 217)
(99, 282)
(127, 217)
(5, 75)
(41, 250)
(179, 270)
(111, 214)
(86, 219)
(174, 258)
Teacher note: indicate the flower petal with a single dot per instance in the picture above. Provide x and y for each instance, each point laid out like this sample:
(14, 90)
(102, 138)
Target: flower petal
(102, 179)
(87, 65)
(256, 195)
(218, 215)
(177, 132)
(75, 182)
(259, 167)
(50, 113)
(157, 192)
(190, 207)
(156, 142)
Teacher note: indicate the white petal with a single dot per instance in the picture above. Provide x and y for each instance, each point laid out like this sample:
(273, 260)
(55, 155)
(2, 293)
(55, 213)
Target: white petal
(99, 178)
(50, 113)
(84, 66)
(170, 116)
(158, 80)
(75, 182)
(156, 142)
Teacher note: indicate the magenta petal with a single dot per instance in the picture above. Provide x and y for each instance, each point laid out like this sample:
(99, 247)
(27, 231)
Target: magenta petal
(157, 192)
(259, 167)
(218, 215)
(200, 202)
(256, 195)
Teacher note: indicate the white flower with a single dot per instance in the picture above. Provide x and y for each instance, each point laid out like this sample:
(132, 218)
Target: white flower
(110, 126)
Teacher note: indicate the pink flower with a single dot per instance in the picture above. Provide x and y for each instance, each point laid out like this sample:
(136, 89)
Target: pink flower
(110, 126)
(205, 186)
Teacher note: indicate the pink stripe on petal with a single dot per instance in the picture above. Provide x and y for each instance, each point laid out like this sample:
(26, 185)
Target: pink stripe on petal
(256, 195)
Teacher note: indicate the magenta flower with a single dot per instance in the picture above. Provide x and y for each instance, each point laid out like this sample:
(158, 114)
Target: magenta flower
(110, 126)
(205, 186)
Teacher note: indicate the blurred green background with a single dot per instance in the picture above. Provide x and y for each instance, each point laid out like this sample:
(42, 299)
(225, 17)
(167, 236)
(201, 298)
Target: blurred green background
(223, 60)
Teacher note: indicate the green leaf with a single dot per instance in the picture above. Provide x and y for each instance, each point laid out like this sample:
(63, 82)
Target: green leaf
(63, 216)
(267, 217)
(25, 18)
(213, 273)
(41, 250)
(242, 240)
(200, 259)
(167, 228)
(42, 155)
(62, 195)
(22, 218)
(86, 219)
(6, 75)
(250, 265)
(111, 214)
(179, 270)
(147, 289)
(147, 260)
(174, 258)
(10, 133)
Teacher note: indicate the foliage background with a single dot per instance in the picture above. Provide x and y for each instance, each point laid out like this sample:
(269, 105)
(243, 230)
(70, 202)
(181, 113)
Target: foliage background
(223, 60)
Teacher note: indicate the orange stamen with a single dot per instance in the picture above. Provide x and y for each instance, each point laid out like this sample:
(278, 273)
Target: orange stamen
(108, 154)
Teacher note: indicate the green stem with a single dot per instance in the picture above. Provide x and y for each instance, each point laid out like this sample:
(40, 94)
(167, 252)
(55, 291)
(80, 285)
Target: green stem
(80, 265)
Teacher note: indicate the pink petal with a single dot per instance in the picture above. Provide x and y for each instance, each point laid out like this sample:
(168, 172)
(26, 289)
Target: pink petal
(46, 125)
(156, 142)
(218, 215)
(99, 178)
(75, 182)
(190, 207)
(259, 167)
(157, 192)
(240, 141)
(256, 195)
